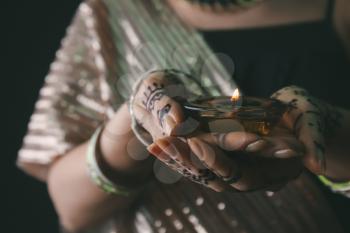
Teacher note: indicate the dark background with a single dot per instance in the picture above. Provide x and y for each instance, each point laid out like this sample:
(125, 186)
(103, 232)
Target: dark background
(32, 31)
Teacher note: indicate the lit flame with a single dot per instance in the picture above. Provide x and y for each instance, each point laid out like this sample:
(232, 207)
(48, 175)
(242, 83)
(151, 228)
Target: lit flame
(235, 95)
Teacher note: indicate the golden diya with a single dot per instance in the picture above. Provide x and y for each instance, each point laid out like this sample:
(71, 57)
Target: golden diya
(256, 115)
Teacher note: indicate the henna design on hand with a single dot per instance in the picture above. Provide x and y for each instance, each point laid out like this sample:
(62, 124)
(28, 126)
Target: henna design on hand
(204, 177)
(153, 94)
(301, 93)
(333, 118)
(292, 105)
(162, 112)
(296, 127)
(321, 118)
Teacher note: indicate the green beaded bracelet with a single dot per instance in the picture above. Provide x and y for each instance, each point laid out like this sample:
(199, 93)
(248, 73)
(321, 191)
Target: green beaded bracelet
(95, 172)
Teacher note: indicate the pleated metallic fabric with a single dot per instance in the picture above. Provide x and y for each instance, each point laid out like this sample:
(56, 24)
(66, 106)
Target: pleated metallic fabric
(109, 44)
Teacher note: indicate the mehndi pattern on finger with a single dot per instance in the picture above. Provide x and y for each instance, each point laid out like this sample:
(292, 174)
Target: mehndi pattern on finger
(153, 93)
(162, 112)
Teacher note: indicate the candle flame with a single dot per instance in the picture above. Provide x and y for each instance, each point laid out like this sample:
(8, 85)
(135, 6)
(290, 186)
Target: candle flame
(235, 95)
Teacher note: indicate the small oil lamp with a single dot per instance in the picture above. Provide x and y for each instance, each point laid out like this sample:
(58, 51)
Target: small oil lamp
(256, 115)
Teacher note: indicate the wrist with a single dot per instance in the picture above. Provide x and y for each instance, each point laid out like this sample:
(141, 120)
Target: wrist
(121, 169)
(127, 174)
(115, 139)
(122, 156)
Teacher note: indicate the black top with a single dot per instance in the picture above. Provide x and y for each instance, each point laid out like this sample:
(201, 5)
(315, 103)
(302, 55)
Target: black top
(308, 54)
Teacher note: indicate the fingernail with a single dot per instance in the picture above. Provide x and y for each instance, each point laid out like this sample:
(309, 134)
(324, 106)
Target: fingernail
(154, 149)
(196, 148)
(162, 143)
(166, 146)
(285, 153)
(158, 152)
(256, 146)
(169, 124)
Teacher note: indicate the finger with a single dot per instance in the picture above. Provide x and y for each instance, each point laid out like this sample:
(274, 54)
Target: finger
(310, 133)
(154, 88)
(157, 95)
(180, 153)
(216, 161)
(271, 147)
(246, 174)
(155, 150)
(151, 90)
(168, 114)
(146, 120)
(308, 128)
(235, 141)
(209, 157)
(171, 118)
(305, 118)
(282, 147)
(166, 159)
(279, 147)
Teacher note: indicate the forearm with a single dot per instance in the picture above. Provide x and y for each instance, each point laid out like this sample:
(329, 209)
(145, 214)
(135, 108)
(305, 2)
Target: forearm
(338, 145)
(79, 202)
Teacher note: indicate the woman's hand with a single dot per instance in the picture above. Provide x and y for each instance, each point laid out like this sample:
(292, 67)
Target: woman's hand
(154, 105)
(310, 120)
(234, 160)
(161, 115)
